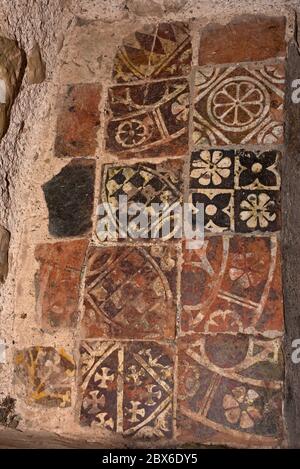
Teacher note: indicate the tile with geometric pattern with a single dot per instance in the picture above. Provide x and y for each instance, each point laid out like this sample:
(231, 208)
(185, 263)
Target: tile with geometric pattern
(141, 183)
(233, 284)
(130, 292)
(239, 105)
(230, 390)
(240, 189)
(154, 51)
(148, 119)
(127, 387)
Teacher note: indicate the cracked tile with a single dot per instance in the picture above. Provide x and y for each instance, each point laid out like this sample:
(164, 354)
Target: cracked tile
(230, 391)
(78, 121)
(155, 51)
(58, 281)
(233, 284)
(148, 120)
(239, 105)
(45, 375)
(131, 292)
(127, 387)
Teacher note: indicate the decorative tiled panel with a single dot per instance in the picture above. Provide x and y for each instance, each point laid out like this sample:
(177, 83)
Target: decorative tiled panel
(155, 51)
(230, 390)
(148, 120)
(58, 281)
(240, 189)
(131, 292)
(239, 105)
(233, 284)
(127, 387)
(78, 121)
(146, 184)
(69, 196)
(246, 38)
(45, 374)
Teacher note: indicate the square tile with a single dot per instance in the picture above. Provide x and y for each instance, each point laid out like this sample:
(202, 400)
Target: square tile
(70, 197)
(127, 387)
(245, 38)
(45, 375)
(233, 284)
(230, 390)
(239, 105)
(130, 292)
(145, 184)
(240, 189)
(148, 120)
(154, 51)
(78, 120)
(58, 282)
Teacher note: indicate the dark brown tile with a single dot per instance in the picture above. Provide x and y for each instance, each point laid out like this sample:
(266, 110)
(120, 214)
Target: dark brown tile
(127, 387)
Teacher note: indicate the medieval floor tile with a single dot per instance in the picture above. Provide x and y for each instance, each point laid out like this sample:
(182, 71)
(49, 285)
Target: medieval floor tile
(233, 284)
(131, 292)
(230, 390)
(146, 184)
(69, 196)
(148, 120)
(46, 375)
(78, 121)
(246, 38)
(127, 387)
(239, 105)
(58, 282)
(240, 189)
(156, 51)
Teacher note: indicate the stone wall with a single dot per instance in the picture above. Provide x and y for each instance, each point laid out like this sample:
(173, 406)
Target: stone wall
(145, 343)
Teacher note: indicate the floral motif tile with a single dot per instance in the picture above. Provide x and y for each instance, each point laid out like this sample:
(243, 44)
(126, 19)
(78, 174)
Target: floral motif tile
(239, 105)
(155, 51)
(70, 196)
(146, 184)
(230, 390)
(58, 281)
(240, 189)
(130, 292)
(233, 284)
(78, 121)
(245, 38)
(149, 119)
(127, 387)
(45, 375)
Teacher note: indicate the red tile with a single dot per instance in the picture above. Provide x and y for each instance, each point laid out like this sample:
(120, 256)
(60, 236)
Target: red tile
(78, 121)
(58, 282)
(246, 38)
(233, 284)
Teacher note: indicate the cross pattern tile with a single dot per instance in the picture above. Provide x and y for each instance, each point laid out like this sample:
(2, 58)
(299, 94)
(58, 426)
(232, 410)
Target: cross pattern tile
(45, 374)
(155, 51)
(145, 184)
(131, 292)
(127, 387)
(239, 105)
(240, 189)
(148, 120)
(233, 284)
(230, 390)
